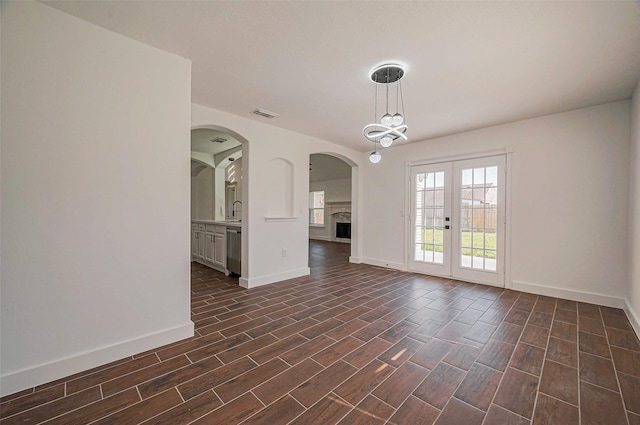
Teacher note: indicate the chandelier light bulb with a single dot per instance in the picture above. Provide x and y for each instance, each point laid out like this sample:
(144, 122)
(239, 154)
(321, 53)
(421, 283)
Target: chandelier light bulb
(386, 141)
(375, 157)
(398, 119)
(386, 120)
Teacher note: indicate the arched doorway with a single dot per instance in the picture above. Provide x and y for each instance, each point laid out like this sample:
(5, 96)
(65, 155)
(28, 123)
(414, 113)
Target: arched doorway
(333, 218)
(219, 174)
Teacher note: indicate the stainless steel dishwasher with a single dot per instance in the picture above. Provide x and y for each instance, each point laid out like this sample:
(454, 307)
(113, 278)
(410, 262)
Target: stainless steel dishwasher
(234, 250)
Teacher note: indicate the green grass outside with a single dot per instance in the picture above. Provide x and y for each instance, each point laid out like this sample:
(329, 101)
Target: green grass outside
(479, 238)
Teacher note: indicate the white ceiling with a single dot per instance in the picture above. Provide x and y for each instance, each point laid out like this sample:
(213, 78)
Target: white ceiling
(326, 167)
(469, 64)
(201, 141)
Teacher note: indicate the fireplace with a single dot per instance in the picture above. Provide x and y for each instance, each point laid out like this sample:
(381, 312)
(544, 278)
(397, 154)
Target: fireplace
(341, 226)
(343, 230)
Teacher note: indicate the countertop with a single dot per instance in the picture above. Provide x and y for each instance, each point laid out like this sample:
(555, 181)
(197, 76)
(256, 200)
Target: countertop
(228, 223)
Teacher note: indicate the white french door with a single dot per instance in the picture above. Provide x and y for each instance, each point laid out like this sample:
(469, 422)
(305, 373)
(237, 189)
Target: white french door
(458, 219)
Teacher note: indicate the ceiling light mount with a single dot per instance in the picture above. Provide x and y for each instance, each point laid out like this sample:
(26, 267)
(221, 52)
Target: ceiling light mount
(389, 127)
(387, 74)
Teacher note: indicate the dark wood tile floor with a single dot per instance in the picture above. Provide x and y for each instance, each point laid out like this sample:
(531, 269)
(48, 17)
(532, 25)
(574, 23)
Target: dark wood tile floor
(355, 344)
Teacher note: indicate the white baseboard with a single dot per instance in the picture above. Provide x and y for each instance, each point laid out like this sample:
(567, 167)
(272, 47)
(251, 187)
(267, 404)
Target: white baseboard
(320, 238)
(633, 317)
(278, 277)
(355, 260)
(569, 294)
(382, 263)
(41, 374)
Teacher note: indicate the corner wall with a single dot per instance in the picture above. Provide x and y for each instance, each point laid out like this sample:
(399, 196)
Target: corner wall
(569, 187)
(95, 175)
(633, 289)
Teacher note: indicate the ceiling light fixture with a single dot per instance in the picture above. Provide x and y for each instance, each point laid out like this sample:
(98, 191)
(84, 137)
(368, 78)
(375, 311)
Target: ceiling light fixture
(390, 127)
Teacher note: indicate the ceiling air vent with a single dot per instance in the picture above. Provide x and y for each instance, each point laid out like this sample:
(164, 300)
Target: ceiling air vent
(219, 140)
(264, 113)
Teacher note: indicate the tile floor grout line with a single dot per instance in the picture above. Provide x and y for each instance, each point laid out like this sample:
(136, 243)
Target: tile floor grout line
(209, 412)
(510, 359)
(615, 369)
(544, 361)
(578, 360)
(401, 291)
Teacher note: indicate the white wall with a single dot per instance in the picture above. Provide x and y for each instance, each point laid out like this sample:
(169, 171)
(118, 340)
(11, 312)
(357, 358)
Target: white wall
(95, 161)
(203, 189)
(570, 180)
(633, 290)
(337, 198)
(263, 240)
(236, 168)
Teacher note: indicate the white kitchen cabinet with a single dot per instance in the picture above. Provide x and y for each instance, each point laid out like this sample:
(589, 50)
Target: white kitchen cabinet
(194, 242)
(220, 239)
(209, 245)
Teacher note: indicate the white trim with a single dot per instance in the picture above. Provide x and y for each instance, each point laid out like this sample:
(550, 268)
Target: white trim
(633, 317)
(320, 238)
(47, 372)
(508, 192)
(460, 157)
(280, 219)
(569, 294)
(382, 263)
(355, 260)
(278, 277)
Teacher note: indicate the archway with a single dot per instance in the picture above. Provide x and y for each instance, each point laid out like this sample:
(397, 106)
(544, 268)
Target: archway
(333, 205)
(220, 160)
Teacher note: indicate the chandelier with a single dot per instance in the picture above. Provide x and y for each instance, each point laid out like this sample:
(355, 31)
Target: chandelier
(390, 127)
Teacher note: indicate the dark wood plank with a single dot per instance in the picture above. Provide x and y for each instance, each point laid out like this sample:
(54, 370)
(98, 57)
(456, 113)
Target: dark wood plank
(291, 378)
(600, 406)
(401, 384)
(320, 385)
(356, 388)
(327, 411)
(440, 385)
(233, 412)
(479, 376)
(243, 383)
(215, 377)
(279, 413)
(370, 411)
(414, 412)
(517, 392)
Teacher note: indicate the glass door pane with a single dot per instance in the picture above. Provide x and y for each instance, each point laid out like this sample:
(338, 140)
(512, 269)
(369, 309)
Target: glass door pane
(430, 245)
(479, 237)
(478, 217)
(429, 224)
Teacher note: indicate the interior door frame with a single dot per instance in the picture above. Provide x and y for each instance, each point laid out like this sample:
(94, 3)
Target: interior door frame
(508, 152)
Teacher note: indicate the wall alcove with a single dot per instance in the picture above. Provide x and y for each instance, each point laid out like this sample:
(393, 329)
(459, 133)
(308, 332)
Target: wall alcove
(281, 203)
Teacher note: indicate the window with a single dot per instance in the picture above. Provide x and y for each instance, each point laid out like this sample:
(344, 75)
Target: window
(316, 208)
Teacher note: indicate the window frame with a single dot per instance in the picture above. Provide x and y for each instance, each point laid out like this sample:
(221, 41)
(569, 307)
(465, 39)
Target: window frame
(313, 208)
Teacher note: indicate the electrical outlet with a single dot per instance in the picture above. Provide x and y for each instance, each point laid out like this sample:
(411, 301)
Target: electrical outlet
(284, 252)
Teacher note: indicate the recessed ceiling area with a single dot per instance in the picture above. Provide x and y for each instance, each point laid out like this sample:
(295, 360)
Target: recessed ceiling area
(206, 141)
(468, 64)
(214, 148)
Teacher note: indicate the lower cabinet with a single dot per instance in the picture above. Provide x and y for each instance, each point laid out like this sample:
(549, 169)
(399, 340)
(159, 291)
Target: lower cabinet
(209, 245)
(220, 241)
